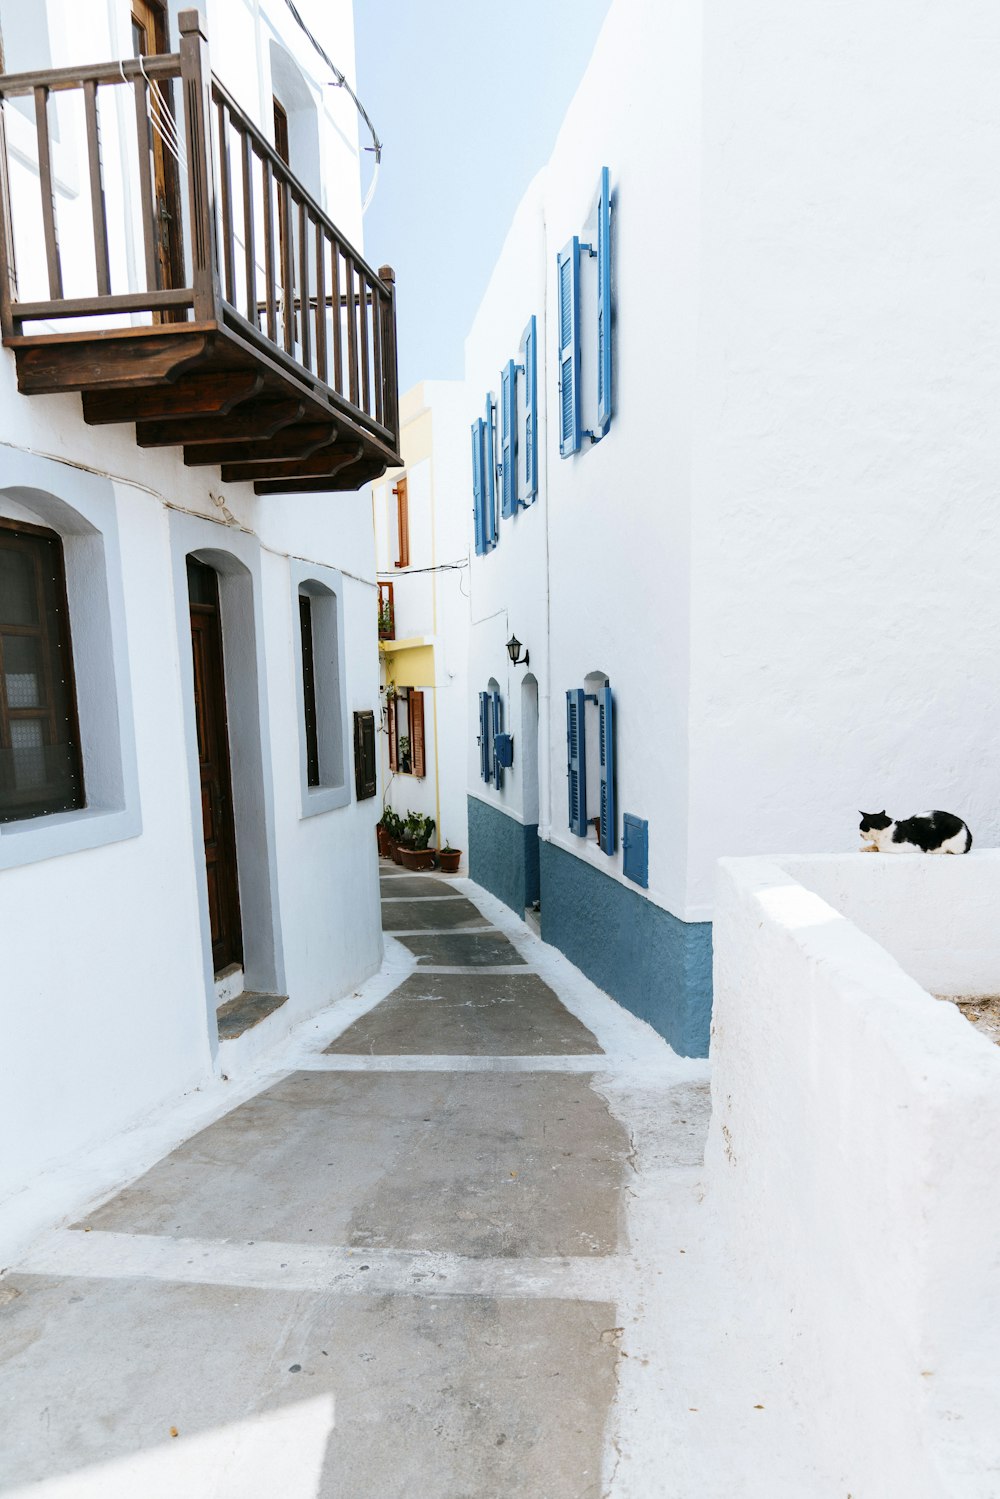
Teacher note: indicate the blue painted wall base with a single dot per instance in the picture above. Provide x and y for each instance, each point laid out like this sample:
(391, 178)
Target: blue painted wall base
(503, 855)
(655, 965)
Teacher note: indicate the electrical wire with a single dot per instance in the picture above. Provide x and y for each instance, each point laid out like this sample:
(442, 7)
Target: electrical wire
(341, 82)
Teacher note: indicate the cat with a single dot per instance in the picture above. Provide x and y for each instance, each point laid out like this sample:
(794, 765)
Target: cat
(926, 833)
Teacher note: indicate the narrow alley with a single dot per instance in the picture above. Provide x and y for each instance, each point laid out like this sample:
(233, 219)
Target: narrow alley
(419, 1257)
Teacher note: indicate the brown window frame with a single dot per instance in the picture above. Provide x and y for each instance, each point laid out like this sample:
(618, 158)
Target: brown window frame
(56, 664)
(309, 689)
(402, 523)
(414, 733)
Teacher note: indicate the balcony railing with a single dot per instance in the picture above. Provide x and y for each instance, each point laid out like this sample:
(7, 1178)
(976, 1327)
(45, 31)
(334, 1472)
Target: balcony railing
(251, 331)
(386, 613)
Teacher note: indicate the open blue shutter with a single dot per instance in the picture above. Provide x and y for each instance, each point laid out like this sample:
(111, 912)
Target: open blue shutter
(497, 729)
(604, 304)
(477, 487)
(530, 345)
(569, 348)
(508, 439)
(484, 735)
(489, 480)
(606, 716)
(576, 761)
(635, 849)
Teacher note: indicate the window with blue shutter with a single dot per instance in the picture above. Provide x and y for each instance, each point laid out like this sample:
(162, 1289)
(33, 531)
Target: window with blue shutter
(635, 849)
(497, 729)
(529, 343)
(484, 735)
(569, 348)
(576, 761)
(508, 439)
(478, 511)
(489, 479)
(606, 720)
(604, 305)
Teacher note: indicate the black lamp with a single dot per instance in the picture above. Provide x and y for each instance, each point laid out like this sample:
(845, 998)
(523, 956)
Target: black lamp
(514, 652)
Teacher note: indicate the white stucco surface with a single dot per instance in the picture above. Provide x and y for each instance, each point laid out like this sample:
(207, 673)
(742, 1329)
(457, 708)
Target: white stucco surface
(853, 1156)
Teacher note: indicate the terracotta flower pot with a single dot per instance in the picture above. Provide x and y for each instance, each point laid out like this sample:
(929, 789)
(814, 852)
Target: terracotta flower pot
(384, 842)
(394, 851)
(449, 860)
(417, 858)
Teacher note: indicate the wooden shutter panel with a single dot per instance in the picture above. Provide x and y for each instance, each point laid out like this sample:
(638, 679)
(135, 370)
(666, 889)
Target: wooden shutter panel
(497, 729)
(530, 343)
(508, 439)
(365, 769)
(604, 304)
(478, 511)
(606, 716)
(403, 523)
(484, 735)
(568, 266)
(391, 723)
(417, 753)
(489, 479)
(576, 761)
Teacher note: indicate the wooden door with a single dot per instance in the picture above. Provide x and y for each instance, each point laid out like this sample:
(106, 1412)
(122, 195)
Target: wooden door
(213, 762)
(150, 35)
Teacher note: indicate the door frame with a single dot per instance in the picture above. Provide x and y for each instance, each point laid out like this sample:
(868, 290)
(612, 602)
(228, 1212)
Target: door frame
(237, 561)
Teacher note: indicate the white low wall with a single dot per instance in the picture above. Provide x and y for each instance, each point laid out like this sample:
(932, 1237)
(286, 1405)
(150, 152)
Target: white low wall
(854, 1156)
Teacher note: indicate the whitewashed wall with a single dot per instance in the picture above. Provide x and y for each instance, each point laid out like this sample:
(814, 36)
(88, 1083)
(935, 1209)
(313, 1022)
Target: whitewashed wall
(105, 1007)
(853, 1157)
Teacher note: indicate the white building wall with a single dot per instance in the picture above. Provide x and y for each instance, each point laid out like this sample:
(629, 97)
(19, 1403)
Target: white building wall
(107, 998)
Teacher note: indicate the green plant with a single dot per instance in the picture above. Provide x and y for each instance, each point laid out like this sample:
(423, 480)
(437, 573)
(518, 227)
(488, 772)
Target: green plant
(417, 830)
(392, 823)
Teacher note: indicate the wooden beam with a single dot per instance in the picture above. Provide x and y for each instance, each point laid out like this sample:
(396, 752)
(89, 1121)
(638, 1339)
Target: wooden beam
(326, 460)
(295, 443)
(197, 395)
(250, 423)
(345, 480)
(44, 367)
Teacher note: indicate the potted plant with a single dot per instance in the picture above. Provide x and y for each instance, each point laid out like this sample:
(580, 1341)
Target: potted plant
(390, 830)
(449, 859)
(413, 848)
(404, 754)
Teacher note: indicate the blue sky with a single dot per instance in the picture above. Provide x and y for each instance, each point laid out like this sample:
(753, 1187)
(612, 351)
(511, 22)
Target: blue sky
(467, 98)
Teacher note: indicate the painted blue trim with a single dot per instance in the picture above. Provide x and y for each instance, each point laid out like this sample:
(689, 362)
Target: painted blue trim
(529, 343)
(604, 316)
(568, 330)
(503, 855)
(635, 849)
(657, 966)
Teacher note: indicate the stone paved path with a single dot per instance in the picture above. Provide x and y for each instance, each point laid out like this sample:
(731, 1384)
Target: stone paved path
(419, 1257)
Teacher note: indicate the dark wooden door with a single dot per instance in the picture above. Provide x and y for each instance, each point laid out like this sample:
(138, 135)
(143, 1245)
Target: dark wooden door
(213, 761)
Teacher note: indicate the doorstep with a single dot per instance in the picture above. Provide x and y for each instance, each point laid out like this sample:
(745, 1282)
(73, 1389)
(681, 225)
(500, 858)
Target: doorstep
(245, 1011)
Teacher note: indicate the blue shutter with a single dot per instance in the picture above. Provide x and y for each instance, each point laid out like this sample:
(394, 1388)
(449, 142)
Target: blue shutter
(508, 439)
(569, 348)
(576, 761)
(477, 486)
(635, 849)
(606, 716)
(530, 344)
(489, 480)
(604, 304)
(503, 749)
(484, 735)
(497, 729)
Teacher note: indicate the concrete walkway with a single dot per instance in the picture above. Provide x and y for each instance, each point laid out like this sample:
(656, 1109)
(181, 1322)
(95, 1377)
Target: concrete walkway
(445, 1243)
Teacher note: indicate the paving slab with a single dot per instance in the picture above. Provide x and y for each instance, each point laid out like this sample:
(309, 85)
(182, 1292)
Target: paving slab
(472, 1163)
(207, 1392)
(414, 886)
(436, 915)
(464, 949)
(469, 1014)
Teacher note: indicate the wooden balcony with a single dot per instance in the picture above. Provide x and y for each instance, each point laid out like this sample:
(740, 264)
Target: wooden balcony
(258, 340)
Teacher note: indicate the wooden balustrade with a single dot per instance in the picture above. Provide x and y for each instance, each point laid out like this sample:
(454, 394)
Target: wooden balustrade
(245, 265)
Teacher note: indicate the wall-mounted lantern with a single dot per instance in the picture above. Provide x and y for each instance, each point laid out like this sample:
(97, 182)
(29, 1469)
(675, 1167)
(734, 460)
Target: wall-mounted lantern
(514, 652)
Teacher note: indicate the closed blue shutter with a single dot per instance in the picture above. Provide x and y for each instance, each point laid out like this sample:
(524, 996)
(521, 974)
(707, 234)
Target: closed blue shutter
(484, 735)
(530, 346)
(576, 761)
(477, 487)
(606, 716)
(508, 439)
(604, 304)
(635, 849)
(569, 348)
(497, 729)
(489, 480)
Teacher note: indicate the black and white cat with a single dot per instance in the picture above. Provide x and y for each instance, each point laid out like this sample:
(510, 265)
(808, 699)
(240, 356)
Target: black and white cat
(926, 833)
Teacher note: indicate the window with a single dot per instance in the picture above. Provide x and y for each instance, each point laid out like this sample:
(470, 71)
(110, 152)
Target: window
(365, 772)
(40, 769)
(309, 690)
(407, 752)
(484, 503)
(585, 329)
(491, 764)
(590, 747)
(402, 524)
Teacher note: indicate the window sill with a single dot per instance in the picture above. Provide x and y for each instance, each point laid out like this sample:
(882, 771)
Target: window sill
(65, 833)
(320, 799)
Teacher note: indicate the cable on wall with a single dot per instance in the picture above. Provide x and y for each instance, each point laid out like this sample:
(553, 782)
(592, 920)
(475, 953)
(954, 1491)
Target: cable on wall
(341, 82)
